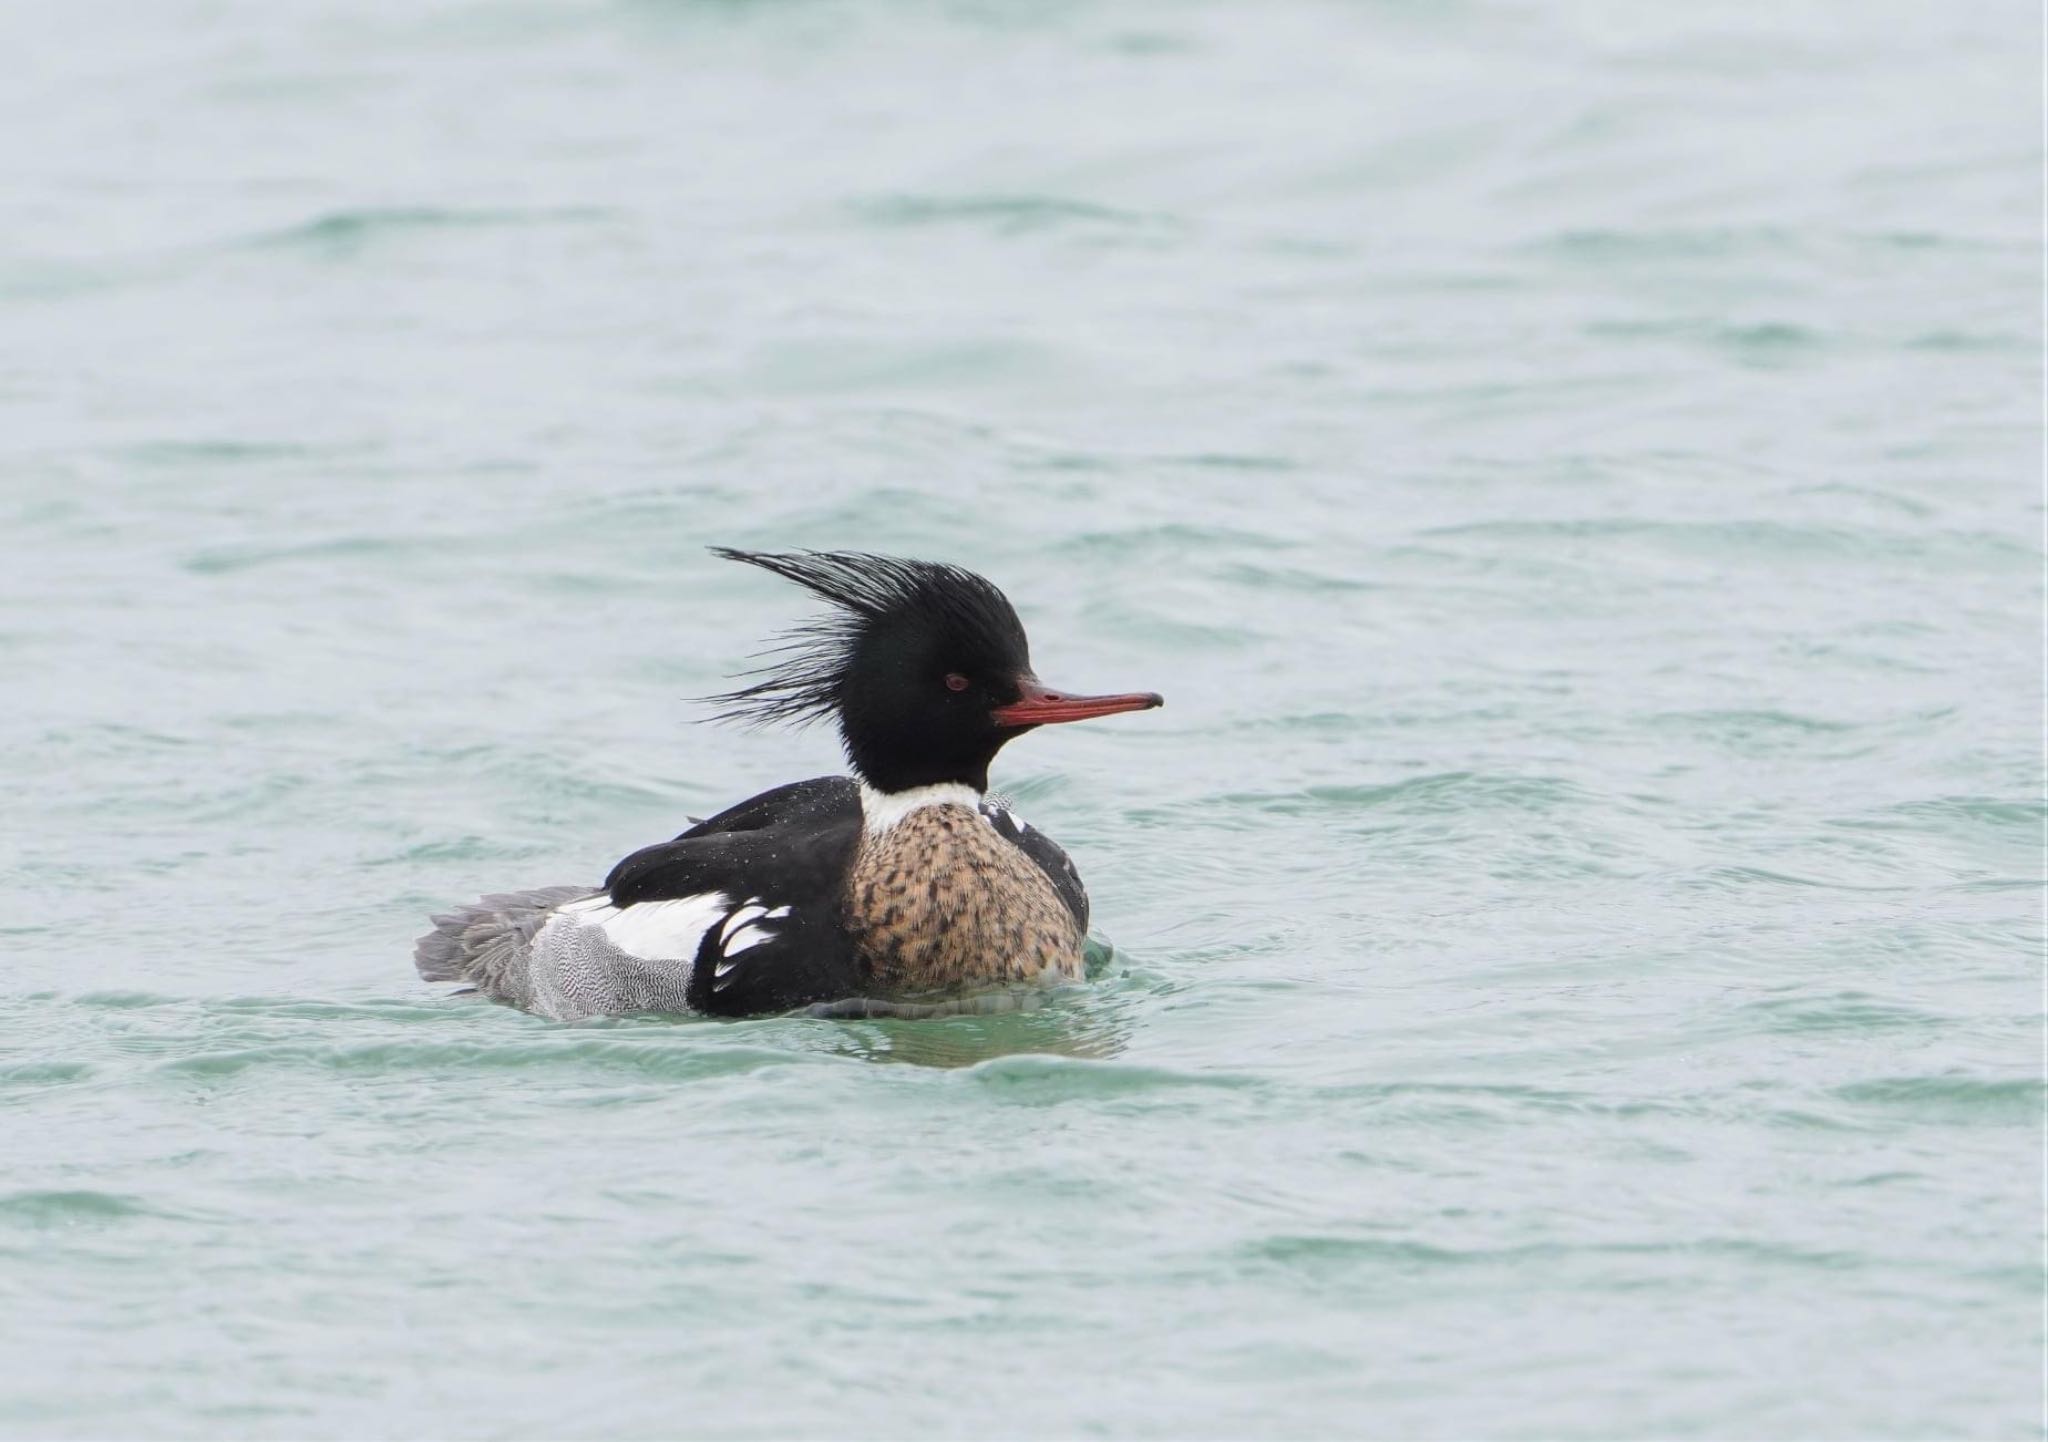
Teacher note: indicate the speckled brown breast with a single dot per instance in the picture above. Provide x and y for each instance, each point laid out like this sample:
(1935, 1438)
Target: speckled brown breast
(941, 900)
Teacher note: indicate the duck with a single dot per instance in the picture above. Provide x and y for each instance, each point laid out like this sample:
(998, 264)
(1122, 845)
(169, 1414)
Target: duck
(901, 882)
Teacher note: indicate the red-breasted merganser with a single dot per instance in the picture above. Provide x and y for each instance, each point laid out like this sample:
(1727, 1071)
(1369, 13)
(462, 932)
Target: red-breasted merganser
(902, 880)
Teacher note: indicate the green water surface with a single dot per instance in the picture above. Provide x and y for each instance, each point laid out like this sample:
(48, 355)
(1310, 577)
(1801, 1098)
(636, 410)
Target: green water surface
(1572, 468)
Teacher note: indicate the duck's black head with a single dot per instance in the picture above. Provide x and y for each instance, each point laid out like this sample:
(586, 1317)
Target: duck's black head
(924, 666)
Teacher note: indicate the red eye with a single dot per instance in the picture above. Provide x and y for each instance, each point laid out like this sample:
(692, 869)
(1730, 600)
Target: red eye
(956, 682)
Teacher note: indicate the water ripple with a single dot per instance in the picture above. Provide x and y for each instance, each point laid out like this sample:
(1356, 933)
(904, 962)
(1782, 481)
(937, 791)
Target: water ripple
(1010, 214)
(349, 233)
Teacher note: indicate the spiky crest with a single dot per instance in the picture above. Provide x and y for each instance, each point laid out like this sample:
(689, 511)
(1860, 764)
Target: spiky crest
(868, 591)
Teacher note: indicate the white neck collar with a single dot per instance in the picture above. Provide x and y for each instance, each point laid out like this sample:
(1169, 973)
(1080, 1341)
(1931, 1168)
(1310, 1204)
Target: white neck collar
(881, 810)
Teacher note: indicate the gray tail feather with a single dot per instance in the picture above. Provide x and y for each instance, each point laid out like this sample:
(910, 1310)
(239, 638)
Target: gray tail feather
(479, 942)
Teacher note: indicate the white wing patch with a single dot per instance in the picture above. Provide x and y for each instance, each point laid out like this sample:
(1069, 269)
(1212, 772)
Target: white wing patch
(675, 930)
(746, 915)
(653, 930)
(744, 928)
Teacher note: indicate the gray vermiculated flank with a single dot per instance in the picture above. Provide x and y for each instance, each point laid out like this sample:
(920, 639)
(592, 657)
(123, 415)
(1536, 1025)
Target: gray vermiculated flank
(577, 971)
(504, 947)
